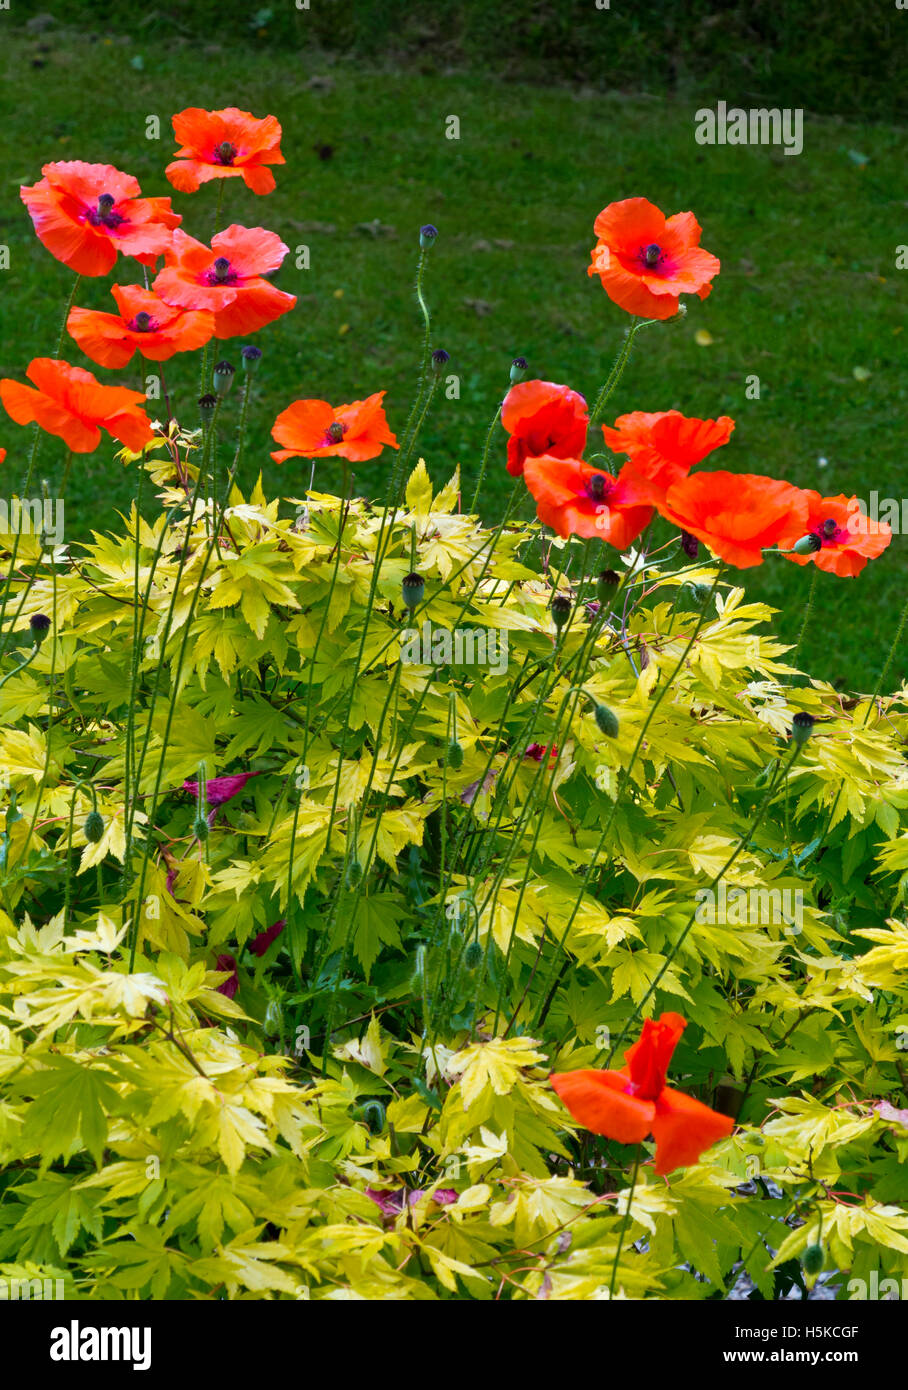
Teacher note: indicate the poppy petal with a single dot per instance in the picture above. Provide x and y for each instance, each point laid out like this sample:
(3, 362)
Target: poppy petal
(599, 1101)
(683, 1128)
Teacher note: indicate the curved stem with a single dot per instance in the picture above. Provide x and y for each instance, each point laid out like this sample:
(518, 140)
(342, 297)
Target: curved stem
(624, 1223)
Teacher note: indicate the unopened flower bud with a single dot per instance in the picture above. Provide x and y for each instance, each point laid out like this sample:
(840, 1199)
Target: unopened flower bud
(561, 610)
(354, 875)
(807, 545)
(802, 726)
(427, 235)
(607, 720)
(606, 584)
(690, 545)
(472, 956)
(223, 377)
(250, 357)
(39, 624)
(414, 588)
(93, 827)
(271, 1026)
(518, 369)
(207, 406)
(812, 1259)
(454, 755)
(200, 828)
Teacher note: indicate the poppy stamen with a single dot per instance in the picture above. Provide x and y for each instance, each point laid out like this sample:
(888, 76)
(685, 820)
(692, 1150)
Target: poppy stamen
(103, 215)
(598, 486)
(142, 323)
(225, 153)
(653, 254)
(221, 272)
(336, 431)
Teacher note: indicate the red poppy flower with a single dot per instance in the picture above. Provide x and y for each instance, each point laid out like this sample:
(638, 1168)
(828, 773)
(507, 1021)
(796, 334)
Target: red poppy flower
(226, 144)
(577, 499)
(221, 789)
(738, 515)
(2, 455)
(85, 213)
(226, 278)
(664, 445)
(847, 537)
(72, 404)
(646, 260)
(144, 324)
(229, 986)
(543, 418)
(315, 429)
(537, 752)
(628, 1105)
(259, 944)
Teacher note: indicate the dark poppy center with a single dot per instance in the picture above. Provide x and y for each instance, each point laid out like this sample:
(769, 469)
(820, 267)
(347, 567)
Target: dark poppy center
(221, 273)
(829, 533)
(598, 487)
(142, 323)
(225, 153)
(652, 255)
(103, 215)
(336, 432)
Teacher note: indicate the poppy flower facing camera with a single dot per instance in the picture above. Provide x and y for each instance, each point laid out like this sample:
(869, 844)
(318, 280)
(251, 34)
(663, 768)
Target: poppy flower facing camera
(646, 260)
(223, 145)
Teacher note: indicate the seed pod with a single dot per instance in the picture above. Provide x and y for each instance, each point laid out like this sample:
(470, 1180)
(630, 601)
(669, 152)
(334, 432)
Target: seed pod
(39, 625)
(414, 588)
(223, 376)
(207, 407)
(251, 357)
(93, 827)
(561, 610)
(607, 720)
(200, 828)
(802, 726)
(807, 545)
(518, 370)
(427, 235)
(812, 1259)
(606, 584)
(472, 956)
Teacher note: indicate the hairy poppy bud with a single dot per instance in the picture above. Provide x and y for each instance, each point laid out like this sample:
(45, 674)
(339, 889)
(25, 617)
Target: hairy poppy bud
(427, 235)
(354, 875)
(440, 358)
(518, 369)
(606, 584)
(207, 406)
(812, 1259)
(373, 1113)
(802, 726)
(93, 827)
(698, 593)
(690, 545)
(472, 956)
(273, 1020)
(39, 624)
(223, 377)
(607, 720)
(200, 828)
(561, 610)
(251, 357)
(454, 755)
(414, 588)
(807, 545)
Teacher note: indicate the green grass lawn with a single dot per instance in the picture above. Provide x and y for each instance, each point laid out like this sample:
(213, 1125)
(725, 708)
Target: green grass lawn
(808, 290)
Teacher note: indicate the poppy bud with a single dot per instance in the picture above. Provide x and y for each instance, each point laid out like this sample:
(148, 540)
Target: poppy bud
(518, 369)
(454, 755)
(440, 358)
(223, 376)
(807, 545)
(200, 828)
(698, 593)
(607, 720)
(472, 956)
(207, 405)
(251, 357)
(690, 545)
(606, 584)
(561, 610)
(273, 1019)
(812, 1259)
(427, 235)
(414, 587)
(39, 624)
(354, 874)
(93, 827)
(801, 726)
(373, 1113)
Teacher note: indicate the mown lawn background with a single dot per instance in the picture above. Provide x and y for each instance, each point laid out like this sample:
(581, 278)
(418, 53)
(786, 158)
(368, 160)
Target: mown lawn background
(809, 290)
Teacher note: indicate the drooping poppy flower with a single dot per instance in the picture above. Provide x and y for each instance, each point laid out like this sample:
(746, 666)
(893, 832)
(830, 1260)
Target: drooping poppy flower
(578, 499)
(226, 144)
(221, 789)
(542, 417)
(73, 405)
(315, 429)
(629, 1104)
(843, 536)
(664, 445)
(645, 260)
(537, 752)
(229, 986)
(2, 455)
(85, 213)
(738, 515)
(259, 944)
(145, 324)
(226, 278)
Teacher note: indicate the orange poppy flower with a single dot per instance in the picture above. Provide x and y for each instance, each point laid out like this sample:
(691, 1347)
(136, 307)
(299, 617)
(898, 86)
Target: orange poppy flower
(645, 260)
(845, 537)
(226, 144)
(85, 213)
(664, 445)
(72, 404)
(577, 499)
(628, 1105)
(738, 515)
(543, 418)
(315, 429)
(144, 324)
(226, 278)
